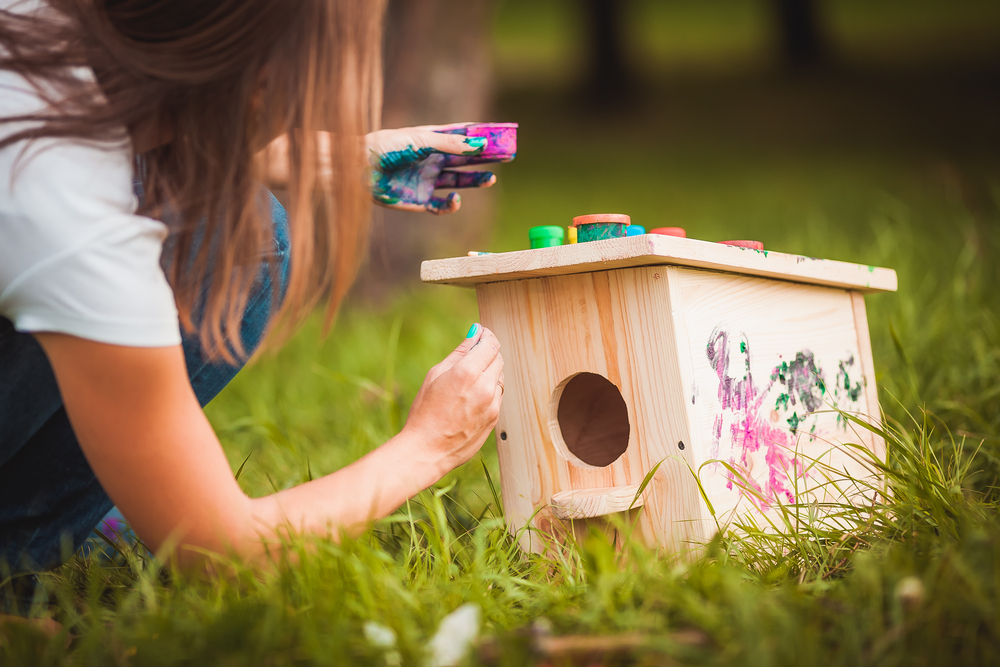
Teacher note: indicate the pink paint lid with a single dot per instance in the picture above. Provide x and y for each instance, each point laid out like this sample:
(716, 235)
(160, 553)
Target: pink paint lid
(602, 218)
(488, 126)
(669, 231)
(501, 140)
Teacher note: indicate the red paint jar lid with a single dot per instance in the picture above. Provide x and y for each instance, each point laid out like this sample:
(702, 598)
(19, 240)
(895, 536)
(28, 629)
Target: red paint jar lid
(752, 245)
(602, 218)
(669, 231)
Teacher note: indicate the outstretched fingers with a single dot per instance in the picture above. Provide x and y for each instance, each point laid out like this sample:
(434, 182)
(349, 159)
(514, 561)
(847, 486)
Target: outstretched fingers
(465, 179)
(442, 205)
(396, 149)
(455, 144)
(390, 201)
(478, 158)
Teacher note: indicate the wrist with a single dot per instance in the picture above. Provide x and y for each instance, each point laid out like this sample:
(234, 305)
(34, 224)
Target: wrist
(428, 466)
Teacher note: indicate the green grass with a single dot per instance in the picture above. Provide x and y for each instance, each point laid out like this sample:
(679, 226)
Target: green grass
(834, 168)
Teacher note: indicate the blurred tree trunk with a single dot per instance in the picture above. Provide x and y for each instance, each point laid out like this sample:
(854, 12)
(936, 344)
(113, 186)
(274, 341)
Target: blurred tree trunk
(438, 69)
(802, 40)
(607, 74)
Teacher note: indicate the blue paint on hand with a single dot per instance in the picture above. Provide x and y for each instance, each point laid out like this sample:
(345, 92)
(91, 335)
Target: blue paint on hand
(407, 178)
(464, 179)
(396, 160)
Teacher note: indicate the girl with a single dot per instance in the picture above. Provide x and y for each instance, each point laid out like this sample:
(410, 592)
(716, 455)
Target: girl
(141, 262)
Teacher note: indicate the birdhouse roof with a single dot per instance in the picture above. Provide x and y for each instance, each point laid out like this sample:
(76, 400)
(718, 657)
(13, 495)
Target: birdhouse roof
(649, 250)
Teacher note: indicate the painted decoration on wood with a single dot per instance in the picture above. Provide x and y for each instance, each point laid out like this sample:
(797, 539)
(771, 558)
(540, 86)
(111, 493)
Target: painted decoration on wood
(773, 366)
(756, 429)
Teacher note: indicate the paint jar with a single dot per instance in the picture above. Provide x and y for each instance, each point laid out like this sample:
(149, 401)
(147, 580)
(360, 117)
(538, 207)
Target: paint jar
(501, 140)
(751, 245)
(545, 236)
(599, 226)
(571, 234)
(635, 230)
(669, 231)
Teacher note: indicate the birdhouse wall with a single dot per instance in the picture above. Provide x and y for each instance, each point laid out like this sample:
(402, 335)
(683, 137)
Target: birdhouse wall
(616, 324)
(729, 377)
(768, 366)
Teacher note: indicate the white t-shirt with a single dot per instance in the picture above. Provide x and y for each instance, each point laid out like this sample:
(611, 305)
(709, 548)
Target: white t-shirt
(74, 256)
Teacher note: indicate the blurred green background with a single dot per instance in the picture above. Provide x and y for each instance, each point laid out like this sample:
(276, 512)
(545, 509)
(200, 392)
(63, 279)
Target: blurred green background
(882, 147)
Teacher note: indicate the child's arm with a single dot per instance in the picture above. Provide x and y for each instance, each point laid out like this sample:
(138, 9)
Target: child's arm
(154, 452)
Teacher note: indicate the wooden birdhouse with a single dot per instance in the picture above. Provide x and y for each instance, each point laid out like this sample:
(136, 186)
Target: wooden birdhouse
(730, 365)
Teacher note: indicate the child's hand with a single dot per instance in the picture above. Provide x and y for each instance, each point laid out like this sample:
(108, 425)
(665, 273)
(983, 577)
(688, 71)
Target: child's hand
(459, 402)
(410, 163)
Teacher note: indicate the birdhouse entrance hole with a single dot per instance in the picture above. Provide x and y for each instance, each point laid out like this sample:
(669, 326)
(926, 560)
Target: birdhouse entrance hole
(589, 421)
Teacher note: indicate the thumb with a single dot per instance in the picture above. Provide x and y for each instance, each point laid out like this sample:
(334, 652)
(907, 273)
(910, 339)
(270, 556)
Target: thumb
(474, 336)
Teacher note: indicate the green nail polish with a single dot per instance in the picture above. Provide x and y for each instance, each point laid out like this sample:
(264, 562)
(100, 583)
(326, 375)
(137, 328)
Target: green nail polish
(476, 143)
(472, 331)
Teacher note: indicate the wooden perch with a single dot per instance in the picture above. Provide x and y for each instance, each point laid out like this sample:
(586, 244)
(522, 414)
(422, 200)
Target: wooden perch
(587, 503)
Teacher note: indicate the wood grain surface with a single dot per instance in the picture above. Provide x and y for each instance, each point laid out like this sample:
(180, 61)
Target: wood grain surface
(653, 249)
(617, 324)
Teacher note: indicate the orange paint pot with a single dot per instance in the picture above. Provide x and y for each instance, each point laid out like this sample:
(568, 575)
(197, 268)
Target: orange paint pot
(599, 226)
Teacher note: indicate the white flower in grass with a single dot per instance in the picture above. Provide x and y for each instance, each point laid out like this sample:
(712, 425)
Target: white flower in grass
(383, 637)
(454, 637)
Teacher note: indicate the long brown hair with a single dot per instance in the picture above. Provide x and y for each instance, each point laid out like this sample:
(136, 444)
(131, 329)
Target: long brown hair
(216, 80)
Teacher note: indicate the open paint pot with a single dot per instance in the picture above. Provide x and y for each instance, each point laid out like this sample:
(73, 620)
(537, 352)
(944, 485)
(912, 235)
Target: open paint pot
(545, 236)
(600, 226)
(501, 140)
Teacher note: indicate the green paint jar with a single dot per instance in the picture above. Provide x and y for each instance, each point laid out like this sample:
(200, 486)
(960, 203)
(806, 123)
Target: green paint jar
(600, 226)
(545, 236)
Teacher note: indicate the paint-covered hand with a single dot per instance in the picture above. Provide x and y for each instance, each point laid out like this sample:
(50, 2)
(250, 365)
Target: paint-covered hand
(409, 164)
(458, 404)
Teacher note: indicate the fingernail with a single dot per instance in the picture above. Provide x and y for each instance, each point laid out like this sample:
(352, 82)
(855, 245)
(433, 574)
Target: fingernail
(473, 330)
(476, 143)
